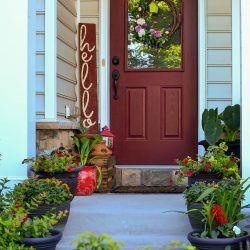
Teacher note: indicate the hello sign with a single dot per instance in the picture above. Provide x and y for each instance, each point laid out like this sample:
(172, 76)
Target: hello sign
(88, 76)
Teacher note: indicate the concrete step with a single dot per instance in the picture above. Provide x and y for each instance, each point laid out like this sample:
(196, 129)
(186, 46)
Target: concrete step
(137, 219)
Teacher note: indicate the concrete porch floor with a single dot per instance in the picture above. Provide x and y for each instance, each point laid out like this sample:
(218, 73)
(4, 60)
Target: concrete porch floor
(137, 219)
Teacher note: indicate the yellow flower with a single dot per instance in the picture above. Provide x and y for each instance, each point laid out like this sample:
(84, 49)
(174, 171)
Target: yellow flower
(216, 186)
(58, 182)
(48, 180)
(66, 186)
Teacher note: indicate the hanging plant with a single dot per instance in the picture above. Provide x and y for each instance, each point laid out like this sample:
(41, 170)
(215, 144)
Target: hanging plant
(142, 26)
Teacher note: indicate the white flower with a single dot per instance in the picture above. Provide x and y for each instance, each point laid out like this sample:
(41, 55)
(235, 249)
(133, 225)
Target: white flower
(139, 8)
(141, 21)
(132, 28)
(236, 230)
(141, 33)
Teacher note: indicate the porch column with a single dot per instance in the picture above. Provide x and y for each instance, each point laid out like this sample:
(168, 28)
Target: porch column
(17, 87)
(245, 90)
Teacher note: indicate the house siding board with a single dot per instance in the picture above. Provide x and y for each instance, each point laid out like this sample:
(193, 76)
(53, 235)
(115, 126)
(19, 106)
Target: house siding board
(40, 58)
(218, 53)
(66, 55)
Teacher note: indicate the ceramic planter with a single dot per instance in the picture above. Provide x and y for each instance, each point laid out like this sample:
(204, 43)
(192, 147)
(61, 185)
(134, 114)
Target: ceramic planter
(218, 244)
(204, 176)
(43, 209)
(67, 177)
(195, 217)
(233, 147)
(86, 181)
(48, 243)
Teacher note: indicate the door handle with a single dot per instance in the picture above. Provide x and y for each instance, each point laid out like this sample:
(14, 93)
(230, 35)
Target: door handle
(115, 76)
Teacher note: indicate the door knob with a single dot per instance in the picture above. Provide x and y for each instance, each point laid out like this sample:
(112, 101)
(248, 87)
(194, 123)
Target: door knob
(115, 76)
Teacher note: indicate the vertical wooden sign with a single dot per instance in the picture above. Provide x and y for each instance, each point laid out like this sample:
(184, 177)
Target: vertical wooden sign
(88, 76)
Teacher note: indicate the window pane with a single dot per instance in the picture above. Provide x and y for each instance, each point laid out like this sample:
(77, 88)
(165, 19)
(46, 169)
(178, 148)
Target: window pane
(154, 34)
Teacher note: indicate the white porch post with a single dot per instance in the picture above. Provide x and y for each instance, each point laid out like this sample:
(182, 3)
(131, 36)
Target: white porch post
(245, 90)
(17, 133)
(50, 60)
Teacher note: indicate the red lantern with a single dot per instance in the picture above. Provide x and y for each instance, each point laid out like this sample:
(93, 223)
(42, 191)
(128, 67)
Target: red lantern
(107, 136)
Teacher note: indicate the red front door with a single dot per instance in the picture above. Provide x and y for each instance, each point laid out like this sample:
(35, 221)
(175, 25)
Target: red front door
(153, 52)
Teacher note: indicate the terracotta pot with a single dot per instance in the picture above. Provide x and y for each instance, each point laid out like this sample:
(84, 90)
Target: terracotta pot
(100, 149)
(218, 244)
(86, 181)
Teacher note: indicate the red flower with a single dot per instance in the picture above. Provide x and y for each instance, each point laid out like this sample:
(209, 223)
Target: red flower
(208, 163)
(59, 155)
(202, 161)
(39, 164)
(225, 166)
(77, 163)
(206, 168)
(181, 175)
(174, 161)
(170, 181)
(17, 205)
(218, 215)
(185, 162)
(189, 172)
(70, 169)
(234, 160)
(46, 169)
(43, 158)
(67, 155)
(176, 172)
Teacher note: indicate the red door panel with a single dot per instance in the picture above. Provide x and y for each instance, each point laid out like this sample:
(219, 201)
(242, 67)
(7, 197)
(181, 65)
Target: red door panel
(155, 118)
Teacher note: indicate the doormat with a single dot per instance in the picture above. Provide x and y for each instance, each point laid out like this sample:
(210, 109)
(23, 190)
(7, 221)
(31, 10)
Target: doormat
(151, 189)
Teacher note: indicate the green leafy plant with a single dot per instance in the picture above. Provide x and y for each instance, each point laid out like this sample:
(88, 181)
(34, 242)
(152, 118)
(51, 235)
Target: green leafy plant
(41, 191)
(39, 227)
(214, 124)
(178, 245)
(214, 160)
(4, 193)
(222, 212)
(59, 160)
(84, 146)
(90, 241)
(192, 193)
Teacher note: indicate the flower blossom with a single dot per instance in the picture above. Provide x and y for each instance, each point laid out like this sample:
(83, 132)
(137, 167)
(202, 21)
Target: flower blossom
(218, 215)
(236, 230)
(70, 169)
(141, 33)
(141, 21)
(138, 28)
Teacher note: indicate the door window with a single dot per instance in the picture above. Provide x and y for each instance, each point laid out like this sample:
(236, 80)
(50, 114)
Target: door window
(154, 34)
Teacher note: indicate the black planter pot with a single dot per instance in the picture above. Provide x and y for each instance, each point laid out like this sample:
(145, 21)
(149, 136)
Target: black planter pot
(205, 177)
(233, 147)
(195, 217)
(70, 178)
(46, 243)
(218, 244)
(43, 209)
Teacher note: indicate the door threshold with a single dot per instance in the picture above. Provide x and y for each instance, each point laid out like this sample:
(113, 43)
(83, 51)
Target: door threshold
(168, 167)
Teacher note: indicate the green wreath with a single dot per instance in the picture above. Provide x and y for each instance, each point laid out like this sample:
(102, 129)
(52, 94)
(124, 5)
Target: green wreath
(140, 16)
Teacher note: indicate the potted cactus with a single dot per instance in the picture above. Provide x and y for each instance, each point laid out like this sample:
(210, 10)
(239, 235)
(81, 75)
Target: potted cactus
(222, 127)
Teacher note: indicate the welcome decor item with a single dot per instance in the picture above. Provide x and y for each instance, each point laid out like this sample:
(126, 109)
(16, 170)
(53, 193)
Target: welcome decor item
(143, 25)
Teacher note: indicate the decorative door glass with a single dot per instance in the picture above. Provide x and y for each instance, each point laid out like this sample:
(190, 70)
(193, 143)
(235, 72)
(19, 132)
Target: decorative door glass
(154, 34)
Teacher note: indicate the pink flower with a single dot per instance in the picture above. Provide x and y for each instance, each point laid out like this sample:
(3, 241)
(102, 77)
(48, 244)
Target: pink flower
(158, 34)
(138, 28)
(152, 32)
(70, 169)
